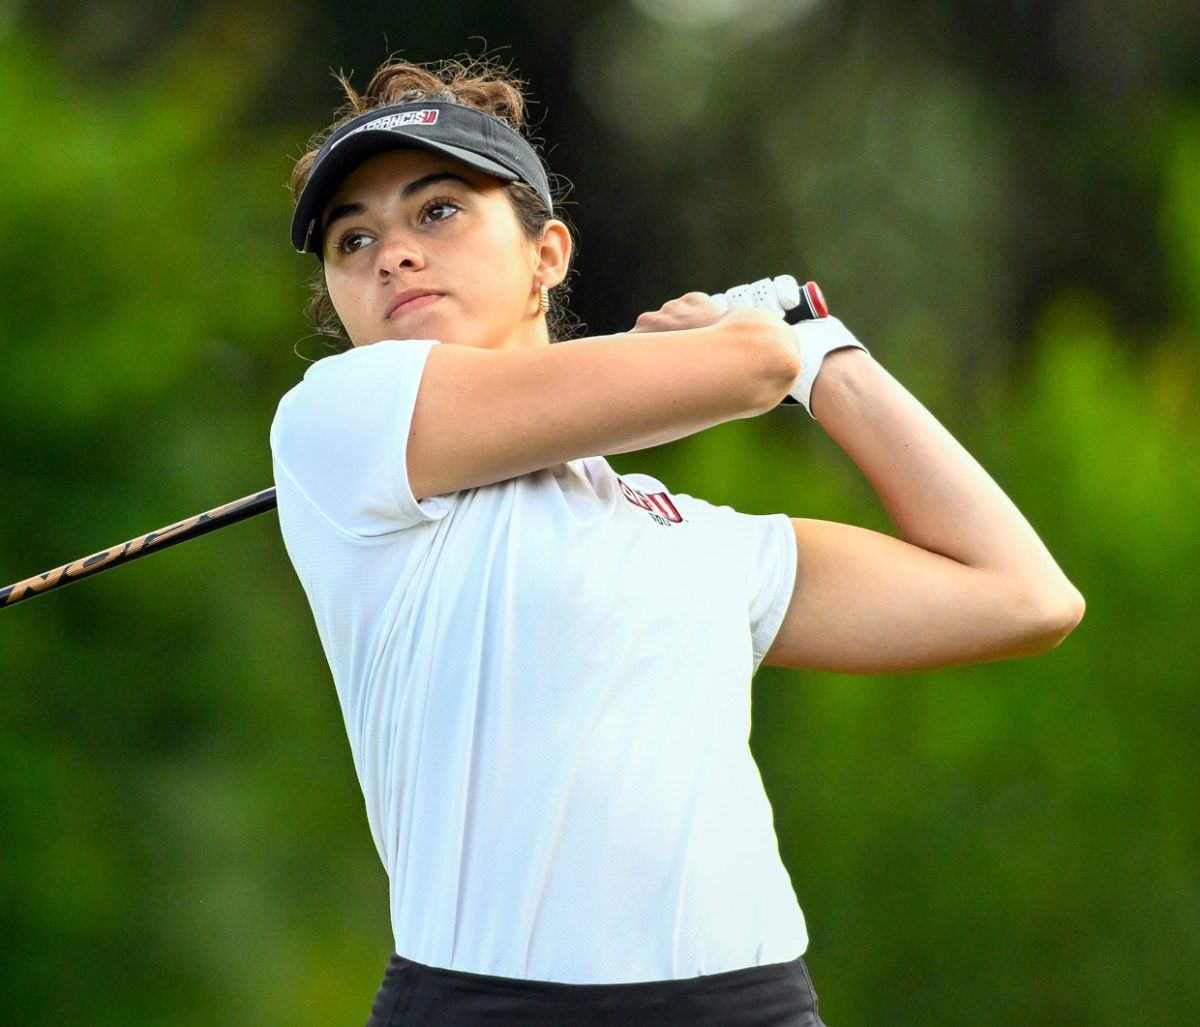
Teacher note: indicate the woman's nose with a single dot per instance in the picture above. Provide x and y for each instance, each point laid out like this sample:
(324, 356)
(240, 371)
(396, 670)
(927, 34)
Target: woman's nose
(398, 252)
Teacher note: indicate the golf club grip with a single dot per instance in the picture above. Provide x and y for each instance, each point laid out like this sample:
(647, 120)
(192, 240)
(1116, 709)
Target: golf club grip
(811, 306)
(152, 542)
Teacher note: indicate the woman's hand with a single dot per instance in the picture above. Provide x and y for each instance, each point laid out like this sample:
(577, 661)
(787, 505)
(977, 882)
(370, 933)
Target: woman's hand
(691, 310)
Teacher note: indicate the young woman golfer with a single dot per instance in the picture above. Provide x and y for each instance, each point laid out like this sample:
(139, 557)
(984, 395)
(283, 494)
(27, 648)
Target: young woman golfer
(544, 667)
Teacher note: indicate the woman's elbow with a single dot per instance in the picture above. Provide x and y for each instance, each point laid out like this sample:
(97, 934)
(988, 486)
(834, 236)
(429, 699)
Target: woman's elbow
(1050, 614)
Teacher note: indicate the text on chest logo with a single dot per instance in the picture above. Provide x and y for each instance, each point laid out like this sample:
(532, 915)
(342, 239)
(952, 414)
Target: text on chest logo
(657, 504)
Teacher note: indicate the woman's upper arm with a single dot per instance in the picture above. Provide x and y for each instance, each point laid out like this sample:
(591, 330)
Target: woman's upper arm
(865, 602)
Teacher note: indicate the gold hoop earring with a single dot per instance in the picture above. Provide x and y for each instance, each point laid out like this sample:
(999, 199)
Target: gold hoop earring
(543, 300)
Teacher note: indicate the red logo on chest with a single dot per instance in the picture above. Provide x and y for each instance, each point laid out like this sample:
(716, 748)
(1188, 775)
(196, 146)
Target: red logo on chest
(657, 504)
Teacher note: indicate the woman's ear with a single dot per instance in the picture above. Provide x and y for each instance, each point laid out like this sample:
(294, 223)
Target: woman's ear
(554, 253)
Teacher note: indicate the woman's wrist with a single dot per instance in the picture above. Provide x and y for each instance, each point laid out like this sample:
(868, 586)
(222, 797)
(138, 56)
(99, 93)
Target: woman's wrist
(839, 391)
(819, 339)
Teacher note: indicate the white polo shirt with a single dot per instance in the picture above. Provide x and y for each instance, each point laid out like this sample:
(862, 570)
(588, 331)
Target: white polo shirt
(546, 687)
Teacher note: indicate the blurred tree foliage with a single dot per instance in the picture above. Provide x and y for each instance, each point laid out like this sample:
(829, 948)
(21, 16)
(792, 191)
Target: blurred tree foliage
(1002, 198)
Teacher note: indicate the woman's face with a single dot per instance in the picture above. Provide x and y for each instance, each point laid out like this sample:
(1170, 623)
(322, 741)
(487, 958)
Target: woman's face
(418, 246)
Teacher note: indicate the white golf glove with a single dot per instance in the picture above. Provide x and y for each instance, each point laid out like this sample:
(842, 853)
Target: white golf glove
(776, 295)
(818, 336)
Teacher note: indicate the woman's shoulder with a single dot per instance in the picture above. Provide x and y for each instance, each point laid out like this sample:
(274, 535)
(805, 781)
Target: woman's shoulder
(391, 355)
(356, 382)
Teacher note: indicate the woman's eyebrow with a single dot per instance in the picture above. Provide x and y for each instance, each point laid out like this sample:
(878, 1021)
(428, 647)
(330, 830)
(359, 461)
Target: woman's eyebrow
(343, 210)
(346, 210)
(428, 180)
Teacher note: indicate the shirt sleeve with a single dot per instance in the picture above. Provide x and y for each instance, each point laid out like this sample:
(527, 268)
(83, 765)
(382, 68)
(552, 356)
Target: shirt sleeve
(771, 575)
(341, 438)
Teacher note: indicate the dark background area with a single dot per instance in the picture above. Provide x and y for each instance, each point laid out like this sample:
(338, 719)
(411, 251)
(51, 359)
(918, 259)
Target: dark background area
(1002, 199)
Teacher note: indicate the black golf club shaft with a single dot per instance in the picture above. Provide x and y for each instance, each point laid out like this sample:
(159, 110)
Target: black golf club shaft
(143, 545)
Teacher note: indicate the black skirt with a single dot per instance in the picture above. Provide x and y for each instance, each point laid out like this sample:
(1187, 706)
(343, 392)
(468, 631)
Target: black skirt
(414, 995)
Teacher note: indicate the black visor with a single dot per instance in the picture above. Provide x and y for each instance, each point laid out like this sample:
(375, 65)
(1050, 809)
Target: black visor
(461, 133)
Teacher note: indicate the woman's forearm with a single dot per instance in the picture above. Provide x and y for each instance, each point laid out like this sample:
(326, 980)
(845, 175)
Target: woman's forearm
(937, 495)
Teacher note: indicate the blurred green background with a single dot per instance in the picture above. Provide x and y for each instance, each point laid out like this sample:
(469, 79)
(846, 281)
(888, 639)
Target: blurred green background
(1002, 198)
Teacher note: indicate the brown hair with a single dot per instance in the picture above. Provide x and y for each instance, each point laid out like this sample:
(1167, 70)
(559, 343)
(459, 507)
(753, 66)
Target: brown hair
(481, 83)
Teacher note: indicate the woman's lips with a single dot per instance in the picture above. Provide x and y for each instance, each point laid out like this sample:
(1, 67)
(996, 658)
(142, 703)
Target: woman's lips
(406, 303)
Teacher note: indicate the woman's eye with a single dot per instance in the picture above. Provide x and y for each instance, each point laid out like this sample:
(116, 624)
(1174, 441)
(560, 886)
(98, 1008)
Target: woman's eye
(440, 210)
(351, 242)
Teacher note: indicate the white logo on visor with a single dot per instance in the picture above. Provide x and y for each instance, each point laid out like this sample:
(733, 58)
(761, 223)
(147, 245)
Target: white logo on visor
(426, 117)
